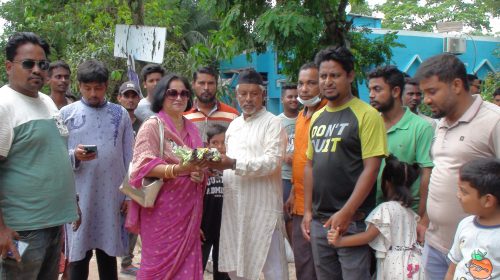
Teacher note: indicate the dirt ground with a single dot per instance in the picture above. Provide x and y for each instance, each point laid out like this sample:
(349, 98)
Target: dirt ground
(93, 274)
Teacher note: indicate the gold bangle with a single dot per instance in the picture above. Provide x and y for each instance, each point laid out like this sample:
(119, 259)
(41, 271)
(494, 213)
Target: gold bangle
(170, 171)
(173, 170)
(165, 175)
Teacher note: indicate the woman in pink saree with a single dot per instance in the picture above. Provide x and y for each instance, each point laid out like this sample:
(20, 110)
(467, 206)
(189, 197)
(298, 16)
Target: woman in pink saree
(170, 231)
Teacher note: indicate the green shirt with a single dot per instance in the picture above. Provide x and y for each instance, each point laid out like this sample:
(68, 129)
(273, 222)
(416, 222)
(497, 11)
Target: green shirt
(37, 187)
(410, 141)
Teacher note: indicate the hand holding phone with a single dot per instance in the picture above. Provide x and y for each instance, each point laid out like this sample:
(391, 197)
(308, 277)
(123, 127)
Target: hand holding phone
(7, 238)
(21, 247)
(85, 152)
(89, 149)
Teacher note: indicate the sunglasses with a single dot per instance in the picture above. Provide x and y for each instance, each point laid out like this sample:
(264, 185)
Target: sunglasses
(174, 94)
(30, 63)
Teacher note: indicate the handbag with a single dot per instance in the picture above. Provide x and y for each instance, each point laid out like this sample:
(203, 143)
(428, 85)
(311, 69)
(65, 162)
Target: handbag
(146, 195)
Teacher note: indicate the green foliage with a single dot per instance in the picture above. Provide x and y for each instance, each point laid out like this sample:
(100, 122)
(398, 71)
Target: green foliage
(361, 8)
(80, 30)
(295, 29)
(418, 16)
(490, 84)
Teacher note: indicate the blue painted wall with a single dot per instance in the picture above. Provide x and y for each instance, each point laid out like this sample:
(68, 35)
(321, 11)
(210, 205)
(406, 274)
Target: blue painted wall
(419, 46)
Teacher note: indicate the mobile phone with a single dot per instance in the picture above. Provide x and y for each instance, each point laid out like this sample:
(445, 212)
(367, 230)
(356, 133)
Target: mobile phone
(90, 149)
(21, 247)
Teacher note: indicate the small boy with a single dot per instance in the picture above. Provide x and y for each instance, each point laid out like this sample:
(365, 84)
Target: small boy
(212, 204)
(476, 250)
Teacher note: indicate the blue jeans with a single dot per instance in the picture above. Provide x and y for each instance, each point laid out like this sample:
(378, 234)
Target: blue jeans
(287, 188)
(41, 258)
(127, 260)
(435, 263)
(348, 263)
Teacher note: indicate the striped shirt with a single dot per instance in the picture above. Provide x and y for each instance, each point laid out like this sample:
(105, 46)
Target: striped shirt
(221, 114)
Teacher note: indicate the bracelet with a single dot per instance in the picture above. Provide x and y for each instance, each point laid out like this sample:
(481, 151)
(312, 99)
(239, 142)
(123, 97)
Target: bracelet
(165, 173)
(173, 171)
(169, 173)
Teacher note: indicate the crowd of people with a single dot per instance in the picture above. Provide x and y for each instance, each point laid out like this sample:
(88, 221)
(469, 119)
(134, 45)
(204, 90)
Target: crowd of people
(357, 190)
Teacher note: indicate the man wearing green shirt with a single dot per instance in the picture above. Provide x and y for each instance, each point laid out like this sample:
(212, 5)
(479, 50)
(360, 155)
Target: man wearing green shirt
(409, 137)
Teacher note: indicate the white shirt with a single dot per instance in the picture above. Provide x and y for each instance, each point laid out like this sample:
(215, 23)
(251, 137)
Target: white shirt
(253, 206)
(476, 250)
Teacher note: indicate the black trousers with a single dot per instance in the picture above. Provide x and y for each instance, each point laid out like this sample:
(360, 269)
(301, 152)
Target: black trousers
(205, 250)
(106, 266)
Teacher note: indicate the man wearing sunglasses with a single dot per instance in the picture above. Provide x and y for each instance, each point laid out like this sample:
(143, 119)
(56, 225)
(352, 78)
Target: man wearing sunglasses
(37, 189)
(207, 109)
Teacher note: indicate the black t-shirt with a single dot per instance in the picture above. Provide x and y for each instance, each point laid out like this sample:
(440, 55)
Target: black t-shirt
(339, 140)
(212, 207)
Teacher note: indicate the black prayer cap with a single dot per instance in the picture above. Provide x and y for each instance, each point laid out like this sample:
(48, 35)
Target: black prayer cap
(250, 76)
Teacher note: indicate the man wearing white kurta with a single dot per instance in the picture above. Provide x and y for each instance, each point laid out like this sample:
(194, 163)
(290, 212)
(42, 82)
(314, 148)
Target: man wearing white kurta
(252, 230)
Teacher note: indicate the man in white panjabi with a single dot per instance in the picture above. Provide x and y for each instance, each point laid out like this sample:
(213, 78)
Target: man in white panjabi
(252, 230)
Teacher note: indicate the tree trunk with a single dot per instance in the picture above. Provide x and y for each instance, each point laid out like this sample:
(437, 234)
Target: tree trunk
(337, 26)
(137, 9)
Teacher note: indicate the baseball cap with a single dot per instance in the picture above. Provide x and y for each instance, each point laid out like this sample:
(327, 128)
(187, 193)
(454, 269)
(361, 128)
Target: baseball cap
(129, 86)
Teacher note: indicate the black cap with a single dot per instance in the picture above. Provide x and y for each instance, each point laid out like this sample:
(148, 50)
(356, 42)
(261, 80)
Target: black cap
(250, 76)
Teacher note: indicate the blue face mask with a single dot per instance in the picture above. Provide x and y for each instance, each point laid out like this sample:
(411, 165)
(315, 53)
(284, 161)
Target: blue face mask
(310, 102)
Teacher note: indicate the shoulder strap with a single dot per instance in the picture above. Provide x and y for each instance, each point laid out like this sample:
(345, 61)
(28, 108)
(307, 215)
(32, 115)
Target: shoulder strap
(162, 133)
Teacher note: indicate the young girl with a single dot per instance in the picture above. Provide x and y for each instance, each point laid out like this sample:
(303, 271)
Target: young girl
(391, 226)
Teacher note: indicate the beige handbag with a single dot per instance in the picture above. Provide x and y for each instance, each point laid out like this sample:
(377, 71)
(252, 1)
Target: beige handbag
(146, 195)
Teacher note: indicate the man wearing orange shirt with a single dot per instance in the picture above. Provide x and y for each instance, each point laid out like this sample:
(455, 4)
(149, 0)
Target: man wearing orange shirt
(309, 96)
(206, 108)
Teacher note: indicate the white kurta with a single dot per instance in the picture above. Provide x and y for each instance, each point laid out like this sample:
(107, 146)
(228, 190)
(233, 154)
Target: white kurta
(253, 206)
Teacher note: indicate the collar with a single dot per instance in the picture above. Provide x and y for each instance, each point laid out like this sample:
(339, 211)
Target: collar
(256, 115)
(322, 104)
(214, 109)
(404, 122)
(343, 106)
(467, 116)
(98, 106)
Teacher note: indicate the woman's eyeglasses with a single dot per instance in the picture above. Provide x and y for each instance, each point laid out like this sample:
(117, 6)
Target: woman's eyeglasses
(30, 63)
(174, 94)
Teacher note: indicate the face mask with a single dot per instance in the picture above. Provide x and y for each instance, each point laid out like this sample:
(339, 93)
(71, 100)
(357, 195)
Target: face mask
(311, 102)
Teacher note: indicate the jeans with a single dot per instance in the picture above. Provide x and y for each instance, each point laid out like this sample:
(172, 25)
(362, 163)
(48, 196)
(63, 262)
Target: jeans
(339, 263)
(41, 258)
(127, 260)
(287, 188)
(106, 265)
(435, 263)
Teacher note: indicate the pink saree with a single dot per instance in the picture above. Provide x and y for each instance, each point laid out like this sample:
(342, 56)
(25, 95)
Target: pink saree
(170, 231)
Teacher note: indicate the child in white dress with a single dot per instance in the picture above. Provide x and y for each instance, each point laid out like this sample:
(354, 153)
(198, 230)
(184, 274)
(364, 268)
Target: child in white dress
(391, 227)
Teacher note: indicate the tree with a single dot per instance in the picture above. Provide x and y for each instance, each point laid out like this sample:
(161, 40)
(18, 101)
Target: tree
(295, 29)
(423, 16)
(79, 30)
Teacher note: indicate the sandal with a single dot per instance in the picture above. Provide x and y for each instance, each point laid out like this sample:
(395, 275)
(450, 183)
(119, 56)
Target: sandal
(130, 270)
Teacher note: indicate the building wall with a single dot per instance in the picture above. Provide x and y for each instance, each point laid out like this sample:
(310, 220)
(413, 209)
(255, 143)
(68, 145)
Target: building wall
(478, 58)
